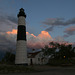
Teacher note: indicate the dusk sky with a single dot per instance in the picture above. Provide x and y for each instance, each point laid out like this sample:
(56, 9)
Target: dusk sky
(47, 20)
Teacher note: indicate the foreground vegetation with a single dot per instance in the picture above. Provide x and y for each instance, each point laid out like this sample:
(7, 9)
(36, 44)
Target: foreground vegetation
(61, 62)
(5, 69)
(61, 54)
(59, 51)
(16, 69)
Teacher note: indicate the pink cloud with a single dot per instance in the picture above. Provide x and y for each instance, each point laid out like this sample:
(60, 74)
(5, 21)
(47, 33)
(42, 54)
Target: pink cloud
(14, 31)
(70, 30)
(37, 42)
(34, 41)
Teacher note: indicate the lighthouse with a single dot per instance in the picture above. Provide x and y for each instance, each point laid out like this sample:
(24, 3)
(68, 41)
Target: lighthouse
(21, 50)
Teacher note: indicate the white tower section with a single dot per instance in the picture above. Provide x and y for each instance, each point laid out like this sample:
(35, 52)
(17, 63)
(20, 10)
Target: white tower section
(21, 50)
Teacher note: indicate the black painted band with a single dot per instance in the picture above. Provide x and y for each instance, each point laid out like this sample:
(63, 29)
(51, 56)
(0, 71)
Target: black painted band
(21, 34)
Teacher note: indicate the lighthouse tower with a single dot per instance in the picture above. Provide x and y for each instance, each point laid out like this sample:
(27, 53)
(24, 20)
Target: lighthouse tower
(21, 51)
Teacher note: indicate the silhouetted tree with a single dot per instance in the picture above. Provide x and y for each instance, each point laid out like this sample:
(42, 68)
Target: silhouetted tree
(9, 58)
(54, 44)
(65, 51)
(73, 52)
(48, 51)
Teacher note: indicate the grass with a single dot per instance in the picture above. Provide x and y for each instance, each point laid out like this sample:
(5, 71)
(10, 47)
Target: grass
(61, 62)
(6, 68)
(16, 69)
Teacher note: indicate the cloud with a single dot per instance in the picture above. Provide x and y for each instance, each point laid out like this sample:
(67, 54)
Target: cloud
(50, 28)
(38, 41)
(12, 19)
(66, 35)
(59, 21)
(7, 42)
(14, 31)
(33, 41)
(59, 39)
(70, 31)
(9, 22)
(6, 23)
(52, 22)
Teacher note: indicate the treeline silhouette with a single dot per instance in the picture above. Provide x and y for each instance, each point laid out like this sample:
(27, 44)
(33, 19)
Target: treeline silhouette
(59, 53)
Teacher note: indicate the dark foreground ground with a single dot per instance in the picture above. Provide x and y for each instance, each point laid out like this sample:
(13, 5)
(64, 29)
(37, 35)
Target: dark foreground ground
(48, 70)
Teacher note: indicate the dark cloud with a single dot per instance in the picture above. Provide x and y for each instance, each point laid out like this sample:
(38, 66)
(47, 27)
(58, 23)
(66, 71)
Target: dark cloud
(66, 35)
(50, 28)
(58, 21)
(69, 31)
(12, 19)
(6, 44)
(7, 23)
(52, 22)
